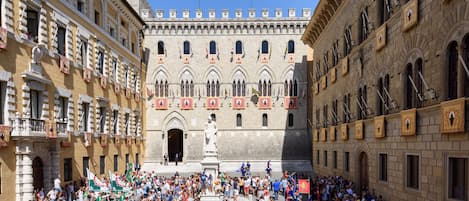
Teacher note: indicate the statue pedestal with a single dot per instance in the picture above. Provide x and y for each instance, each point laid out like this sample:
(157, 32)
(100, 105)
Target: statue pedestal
(210, 165)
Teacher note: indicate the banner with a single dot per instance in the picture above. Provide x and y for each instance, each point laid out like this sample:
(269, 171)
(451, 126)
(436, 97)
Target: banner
(303, 186)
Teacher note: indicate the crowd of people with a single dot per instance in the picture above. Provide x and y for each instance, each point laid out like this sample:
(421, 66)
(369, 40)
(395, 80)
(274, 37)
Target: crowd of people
(148, 186)
(336, 188)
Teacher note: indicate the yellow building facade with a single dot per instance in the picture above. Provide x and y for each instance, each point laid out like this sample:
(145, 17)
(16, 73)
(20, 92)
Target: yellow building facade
(71, 73)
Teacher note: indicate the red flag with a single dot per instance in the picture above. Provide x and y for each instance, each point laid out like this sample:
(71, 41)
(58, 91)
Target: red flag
(303, 186)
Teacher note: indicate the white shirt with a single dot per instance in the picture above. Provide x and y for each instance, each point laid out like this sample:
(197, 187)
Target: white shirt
(57, 183)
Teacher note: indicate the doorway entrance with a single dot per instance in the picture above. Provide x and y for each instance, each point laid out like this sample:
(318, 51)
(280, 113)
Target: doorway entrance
(38, 173)
(363, 158)
(175, 145)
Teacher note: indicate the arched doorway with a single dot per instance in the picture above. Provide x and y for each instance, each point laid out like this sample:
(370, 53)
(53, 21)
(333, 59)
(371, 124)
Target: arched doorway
(38, 173)
(363, 158)
(175, 145)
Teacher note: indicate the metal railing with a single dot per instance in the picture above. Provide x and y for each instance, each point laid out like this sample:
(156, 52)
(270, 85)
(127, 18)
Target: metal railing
(61, 127)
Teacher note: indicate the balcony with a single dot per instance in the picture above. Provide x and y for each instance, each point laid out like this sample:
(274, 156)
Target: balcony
(36, 128)
(61, 127)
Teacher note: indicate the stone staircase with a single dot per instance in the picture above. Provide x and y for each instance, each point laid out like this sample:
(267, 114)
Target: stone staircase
(230, 167)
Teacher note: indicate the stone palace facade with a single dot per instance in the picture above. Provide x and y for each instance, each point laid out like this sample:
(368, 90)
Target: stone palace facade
(71, 79)
(248, 72)
(391, 90)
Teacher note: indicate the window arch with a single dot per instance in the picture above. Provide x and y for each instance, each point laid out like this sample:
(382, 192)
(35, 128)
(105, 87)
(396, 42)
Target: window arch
(418, 74)
(465, 55)
(295, 88)
(409, 91)
(384, 11)
(239, 47)
(335, 112)
(291, 88)
(239, 120)
(290, 120)
(186, 47)
(383, 98)
(291, 47)
(161, 88)
(452, 70)
(265, 47)
(348, 40)
(213, 47)
(239, 88)
(264, 120)
(265, 87)
(363, 25)
(161, 48)
(362, 103)
(213, 88)
(413, 85)
(187, 88)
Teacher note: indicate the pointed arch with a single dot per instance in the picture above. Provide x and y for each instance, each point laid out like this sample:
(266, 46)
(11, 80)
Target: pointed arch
(238, 72)
(175, 120)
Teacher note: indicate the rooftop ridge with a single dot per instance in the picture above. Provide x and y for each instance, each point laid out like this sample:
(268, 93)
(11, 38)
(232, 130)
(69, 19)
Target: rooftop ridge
(224, 14)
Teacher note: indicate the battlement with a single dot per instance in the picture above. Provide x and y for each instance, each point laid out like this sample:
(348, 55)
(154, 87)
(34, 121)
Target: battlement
(225, 14)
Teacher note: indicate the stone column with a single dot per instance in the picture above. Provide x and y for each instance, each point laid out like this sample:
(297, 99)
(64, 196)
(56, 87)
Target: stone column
(54, 165)
(24, 172)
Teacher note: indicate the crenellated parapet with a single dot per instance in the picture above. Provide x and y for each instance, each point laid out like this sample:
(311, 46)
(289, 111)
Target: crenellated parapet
(224, 24)
(224, 14)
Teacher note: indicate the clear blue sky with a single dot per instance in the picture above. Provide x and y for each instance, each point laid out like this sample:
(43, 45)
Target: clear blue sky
(232, 5)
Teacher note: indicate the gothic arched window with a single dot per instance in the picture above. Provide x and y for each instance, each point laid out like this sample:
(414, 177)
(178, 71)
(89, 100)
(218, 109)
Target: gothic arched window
(186, 47)
(239, 120)
(161, 49)
(452, 71)
(264, 120)
(239, 47)
(213, 47)
(291, 47)
(265, 47)
(290, 120)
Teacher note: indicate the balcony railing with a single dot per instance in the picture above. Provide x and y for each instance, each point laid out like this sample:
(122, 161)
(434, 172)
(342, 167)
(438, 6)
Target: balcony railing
(61, 127)
(28, 127)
